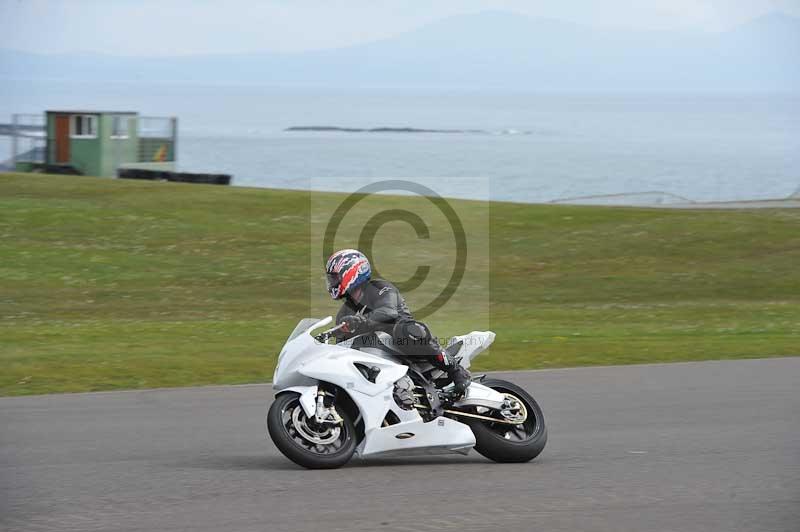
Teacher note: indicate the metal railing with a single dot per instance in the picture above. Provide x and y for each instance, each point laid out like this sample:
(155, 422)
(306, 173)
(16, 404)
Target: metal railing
(28, 138)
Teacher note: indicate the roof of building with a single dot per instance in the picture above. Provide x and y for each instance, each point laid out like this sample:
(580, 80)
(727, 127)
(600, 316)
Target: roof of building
(85, 112)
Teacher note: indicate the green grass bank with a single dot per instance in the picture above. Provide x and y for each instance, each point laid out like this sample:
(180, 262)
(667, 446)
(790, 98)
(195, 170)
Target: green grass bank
(114, 284)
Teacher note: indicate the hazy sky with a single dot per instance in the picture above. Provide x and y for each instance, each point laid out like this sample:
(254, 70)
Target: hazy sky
(167, 27)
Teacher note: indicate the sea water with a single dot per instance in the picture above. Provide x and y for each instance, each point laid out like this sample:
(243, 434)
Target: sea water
(533, 147)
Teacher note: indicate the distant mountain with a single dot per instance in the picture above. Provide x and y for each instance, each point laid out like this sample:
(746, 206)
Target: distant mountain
(489, 49)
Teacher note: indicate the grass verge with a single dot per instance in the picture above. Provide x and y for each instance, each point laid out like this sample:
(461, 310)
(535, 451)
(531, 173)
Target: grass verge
(113, 284)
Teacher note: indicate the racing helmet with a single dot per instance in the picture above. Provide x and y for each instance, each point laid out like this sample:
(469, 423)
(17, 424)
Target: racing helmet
(345, 270)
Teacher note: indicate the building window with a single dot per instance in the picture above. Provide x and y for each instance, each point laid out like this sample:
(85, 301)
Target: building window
(84, 127)
(119, 127)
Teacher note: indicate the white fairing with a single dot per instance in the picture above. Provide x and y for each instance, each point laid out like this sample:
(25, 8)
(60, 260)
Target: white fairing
(474, 344)
(304, 362)
(308, 398)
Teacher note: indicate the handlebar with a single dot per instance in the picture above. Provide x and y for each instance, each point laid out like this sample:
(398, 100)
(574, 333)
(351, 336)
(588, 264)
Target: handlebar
(324, 336)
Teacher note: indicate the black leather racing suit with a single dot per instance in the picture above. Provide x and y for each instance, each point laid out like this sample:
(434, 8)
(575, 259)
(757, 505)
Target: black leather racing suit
(385, 310)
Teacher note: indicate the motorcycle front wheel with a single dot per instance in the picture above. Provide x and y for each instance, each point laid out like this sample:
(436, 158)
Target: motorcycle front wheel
(503, 442)
(305, 442)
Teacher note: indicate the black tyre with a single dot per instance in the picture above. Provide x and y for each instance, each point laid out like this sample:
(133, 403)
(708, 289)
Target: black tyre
(303, 441)
(510, 443)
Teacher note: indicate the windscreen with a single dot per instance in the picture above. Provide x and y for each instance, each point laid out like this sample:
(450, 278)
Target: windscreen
(302, 327)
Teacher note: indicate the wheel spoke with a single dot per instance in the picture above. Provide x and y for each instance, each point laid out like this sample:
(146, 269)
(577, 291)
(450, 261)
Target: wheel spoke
(318, 439)
(520, 432)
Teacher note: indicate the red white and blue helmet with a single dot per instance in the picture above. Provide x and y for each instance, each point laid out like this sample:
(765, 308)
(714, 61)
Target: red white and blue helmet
(346, 270)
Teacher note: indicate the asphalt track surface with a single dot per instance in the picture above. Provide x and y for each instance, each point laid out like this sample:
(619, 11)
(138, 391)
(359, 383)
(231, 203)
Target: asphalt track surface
(682, 447)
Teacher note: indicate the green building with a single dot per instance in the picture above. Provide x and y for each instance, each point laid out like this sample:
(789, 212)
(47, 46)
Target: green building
(100, 142)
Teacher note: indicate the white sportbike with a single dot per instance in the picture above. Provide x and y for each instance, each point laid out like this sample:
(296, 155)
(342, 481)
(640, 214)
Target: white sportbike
(363, 396)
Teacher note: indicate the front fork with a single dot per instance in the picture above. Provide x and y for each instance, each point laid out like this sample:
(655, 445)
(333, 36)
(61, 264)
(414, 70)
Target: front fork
(326, 414)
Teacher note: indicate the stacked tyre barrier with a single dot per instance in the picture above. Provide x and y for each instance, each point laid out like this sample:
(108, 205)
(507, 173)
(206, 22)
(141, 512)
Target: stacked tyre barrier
(177, 177)
(59, 169)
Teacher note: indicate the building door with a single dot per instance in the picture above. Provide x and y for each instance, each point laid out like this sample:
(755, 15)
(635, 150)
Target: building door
(62, 138)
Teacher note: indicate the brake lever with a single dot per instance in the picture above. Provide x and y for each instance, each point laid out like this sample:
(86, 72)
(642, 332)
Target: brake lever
(324, 336)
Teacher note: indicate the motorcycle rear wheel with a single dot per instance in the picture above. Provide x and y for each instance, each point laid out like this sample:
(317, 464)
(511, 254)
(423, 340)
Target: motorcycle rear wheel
(303, 441)
(510, 443)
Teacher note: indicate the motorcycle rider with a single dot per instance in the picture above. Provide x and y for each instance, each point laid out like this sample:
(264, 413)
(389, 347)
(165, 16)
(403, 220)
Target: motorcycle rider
(376, 305)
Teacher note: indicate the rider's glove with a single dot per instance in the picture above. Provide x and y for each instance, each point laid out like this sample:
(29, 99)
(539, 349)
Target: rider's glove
(352, 324)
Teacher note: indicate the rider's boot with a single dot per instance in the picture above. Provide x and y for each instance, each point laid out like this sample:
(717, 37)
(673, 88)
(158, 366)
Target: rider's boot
(461, 379)
(455, 372)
